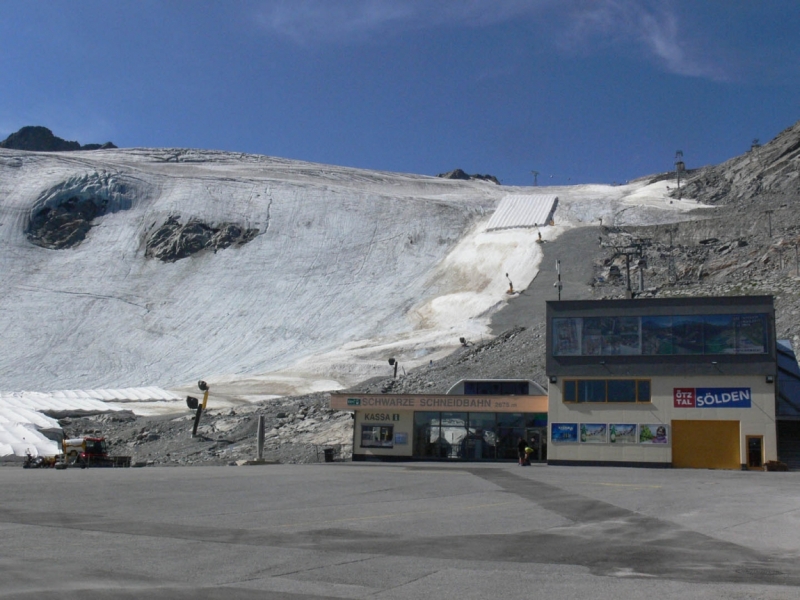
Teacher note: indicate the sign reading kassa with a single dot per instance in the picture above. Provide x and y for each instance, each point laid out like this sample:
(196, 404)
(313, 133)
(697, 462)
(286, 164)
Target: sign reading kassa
(712, 397)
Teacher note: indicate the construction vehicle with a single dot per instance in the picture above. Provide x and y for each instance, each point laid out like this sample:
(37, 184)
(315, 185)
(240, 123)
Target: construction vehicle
(88, 452)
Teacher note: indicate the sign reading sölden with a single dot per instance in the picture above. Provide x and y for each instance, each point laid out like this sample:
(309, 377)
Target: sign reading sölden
(712, 397)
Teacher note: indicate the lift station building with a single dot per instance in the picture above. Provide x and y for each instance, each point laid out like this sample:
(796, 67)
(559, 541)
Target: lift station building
(661, 382)
(651, 382)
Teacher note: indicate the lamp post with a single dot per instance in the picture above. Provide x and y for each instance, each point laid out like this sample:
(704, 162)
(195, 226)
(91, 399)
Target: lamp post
(557, 284)
(394, 363)
(194, 404)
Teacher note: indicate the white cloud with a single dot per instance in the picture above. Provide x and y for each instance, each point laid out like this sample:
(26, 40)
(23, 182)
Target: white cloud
(652, 28)
(313, 21)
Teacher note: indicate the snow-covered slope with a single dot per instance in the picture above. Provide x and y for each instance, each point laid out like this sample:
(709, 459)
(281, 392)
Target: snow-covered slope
(348, 268)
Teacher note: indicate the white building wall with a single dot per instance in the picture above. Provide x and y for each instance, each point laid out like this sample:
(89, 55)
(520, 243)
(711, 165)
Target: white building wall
(402, 423)
(759, 419)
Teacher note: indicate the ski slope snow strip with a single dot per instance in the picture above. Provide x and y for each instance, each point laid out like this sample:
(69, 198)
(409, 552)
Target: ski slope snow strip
(523, 211)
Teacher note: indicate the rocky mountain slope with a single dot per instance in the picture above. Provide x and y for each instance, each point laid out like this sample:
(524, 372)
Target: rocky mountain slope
(40, 139)
(745, 242)
(769, 169)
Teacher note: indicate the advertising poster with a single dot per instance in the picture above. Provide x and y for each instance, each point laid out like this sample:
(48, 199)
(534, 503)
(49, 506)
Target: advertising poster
(564, 433)
(594, 433)
(622, 433)
(653, 433)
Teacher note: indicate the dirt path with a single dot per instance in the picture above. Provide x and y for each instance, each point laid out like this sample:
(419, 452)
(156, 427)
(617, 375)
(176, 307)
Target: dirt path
(575, 249)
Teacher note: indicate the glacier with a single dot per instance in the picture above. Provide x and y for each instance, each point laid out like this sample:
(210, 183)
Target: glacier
(348, 268)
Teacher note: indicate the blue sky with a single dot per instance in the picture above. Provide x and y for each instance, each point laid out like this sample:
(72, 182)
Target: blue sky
(581, 91)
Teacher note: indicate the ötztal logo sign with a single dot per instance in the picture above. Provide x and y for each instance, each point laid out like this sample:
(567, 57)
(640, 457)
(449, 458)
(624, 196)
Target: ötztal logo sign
(711, 397)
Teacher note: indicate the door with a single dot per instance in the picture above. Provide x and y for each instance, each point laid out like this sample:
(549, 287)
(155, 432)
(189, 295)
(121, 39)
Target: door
(537, 439)
(706, 445)
(755, 452)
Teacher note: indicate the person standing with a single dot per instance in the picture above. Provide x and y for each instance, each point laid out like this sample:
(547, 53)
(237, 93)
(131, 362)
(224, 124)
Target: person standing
(521, 445)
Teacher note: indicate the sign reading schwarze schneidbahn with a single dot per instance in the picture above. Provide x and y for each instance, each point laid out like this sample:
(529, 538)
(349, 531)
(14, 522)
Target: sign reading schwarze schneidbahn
(712, 397)
(523, 403)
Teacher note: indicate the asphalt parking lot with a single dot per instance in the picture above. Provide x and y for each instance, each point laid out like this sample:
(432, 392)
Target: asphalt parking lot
(392, 531)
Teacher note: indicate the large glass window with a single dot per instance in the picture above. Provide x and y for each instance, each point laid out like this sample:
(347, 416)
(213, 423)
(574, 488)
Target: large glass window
(535, 419)
(510, 427)
(660, 335)
(471, 436)
(657, 335)
(566, 337)
(719, 334)
(426, 434)
(508, 438)
(452, 439)
(481, 442)
(510, 420)
(687, 335)
(751, 334)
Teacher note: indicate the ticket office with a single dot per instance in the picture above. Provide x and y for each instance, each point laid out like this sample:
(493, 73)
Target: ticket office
(384, 428)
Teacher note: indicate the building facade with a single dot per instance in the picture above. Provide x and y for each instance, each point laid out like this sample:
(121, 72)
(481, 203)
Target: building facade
(476, 420)
(683, 382)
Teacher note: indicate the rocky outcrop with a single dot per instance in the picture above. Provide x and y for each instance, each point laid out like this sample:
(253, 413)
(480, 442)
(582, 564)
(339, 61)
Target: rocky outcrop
(771, 169)
(173, 240)
(66, 224)
(63, 214)
(459, 174)
(40, 139)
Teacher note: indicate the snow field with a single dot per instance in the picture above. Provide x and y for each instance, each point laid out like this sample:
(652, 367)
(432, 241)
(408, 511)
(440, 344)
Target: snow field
(350, 267)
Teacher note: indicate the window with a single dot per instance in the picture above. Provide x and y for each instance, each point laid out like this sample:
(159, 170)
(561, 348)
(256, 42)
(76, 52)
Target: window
(606, 390)
(470, 436)
(496, 388)
(377, 436)
(426, 434)
(707, 334)
(621, 390)
(592, 390)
